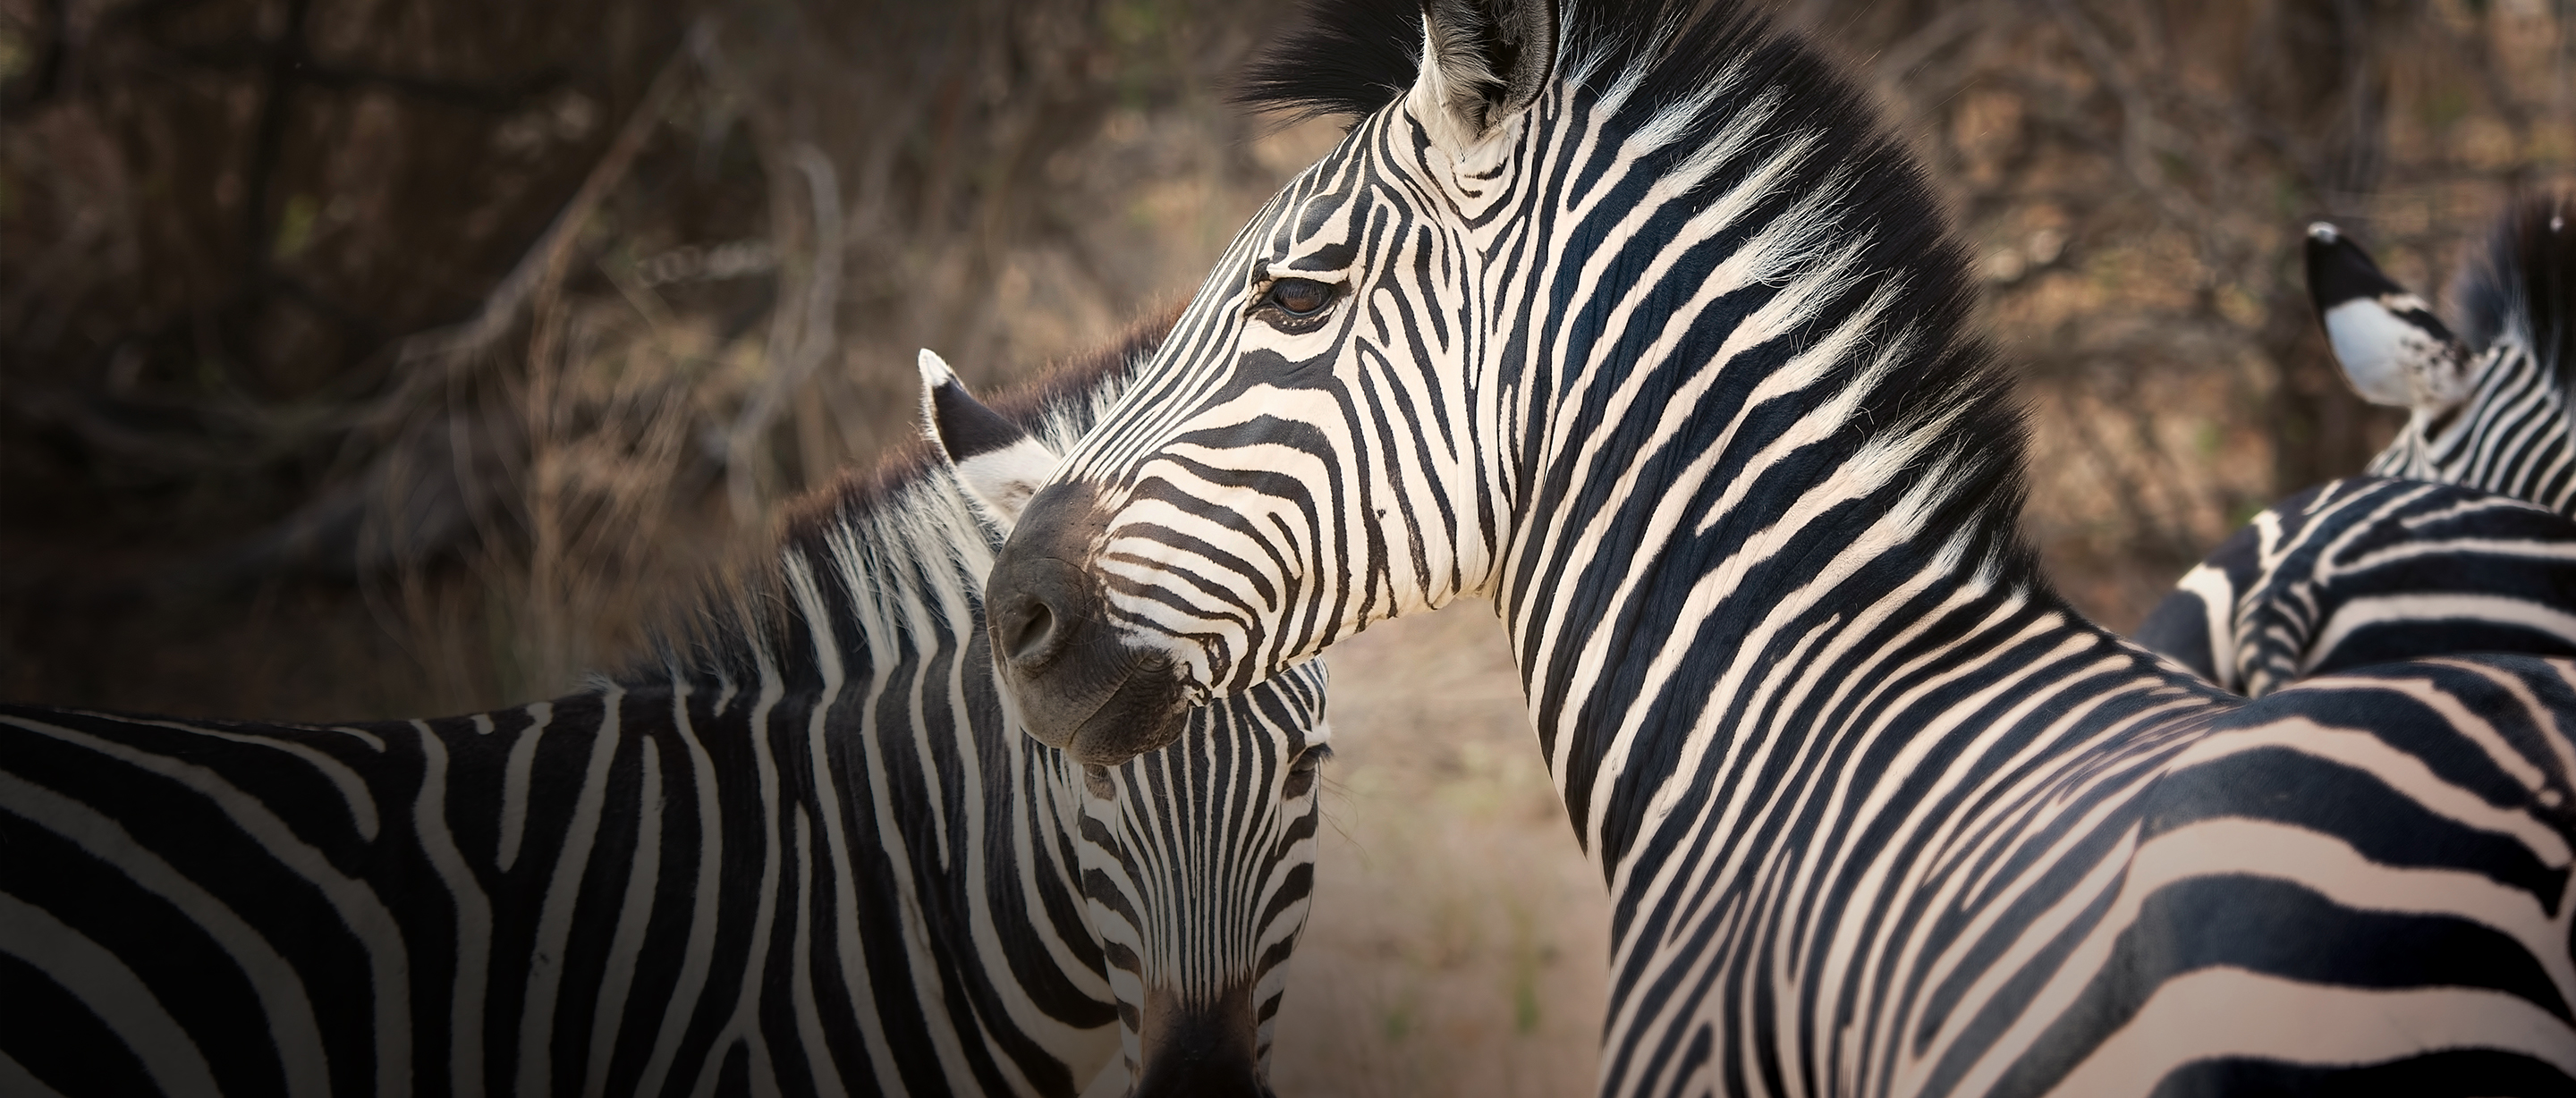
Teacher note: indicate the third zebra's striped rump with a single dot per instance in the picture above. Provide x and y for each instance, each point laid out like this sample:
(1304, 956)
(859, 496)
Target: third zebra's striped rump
(2369, 570)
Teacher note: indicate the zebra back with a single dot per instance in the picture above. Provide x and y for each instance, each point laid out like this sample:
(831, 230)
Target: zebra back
(801, 852)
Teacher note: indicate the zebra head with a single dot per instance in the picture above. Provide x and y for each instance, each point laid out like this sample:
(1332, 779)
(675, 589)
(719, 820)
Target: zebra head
(1183, 553)
(1197, 859)
(2490, 406)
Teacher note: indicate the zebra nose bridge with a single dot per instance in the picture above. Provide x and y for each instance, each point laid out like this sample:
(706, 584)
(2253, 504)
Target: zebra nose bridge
(1039, 594)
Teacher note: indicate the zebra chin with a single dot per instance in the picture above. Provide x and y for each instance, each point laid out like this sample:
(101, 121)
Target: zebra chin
(1070, 678)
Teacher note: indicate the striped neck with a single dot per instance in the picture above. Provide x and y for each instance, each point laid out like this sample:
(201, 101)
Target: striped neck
(1756, 427)
(2510, 436)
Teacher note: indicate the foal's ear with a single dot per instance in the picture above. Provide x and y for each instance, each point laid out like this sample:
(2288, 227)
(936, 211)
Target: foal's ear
(1483, 61)
(1000, 464)
(2390, 345)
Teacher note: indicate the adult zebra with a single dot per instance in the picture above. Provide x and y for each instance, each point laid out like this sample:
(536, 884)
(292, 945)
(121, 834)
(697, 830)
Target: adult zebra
(804, 854)
(2369, 569)
(1626, 318)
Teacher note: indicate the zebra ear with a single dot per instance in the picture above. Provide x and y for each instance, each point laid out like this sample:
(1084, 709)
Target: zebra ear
(1483, 61)
(999, 464)
(2390, 345)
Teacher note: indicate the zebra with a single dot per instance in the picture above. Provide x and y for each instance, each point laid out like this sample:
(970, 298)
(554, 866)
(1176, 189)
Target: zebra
(2488, 408)
(2370, 569)
(800, 852)
(2367, 570)
(1625, 316)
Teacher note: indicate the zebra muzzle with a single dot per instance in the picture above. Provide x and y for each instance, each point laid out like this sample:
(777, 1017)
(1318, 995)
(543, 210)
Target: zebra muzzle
(1075, 684)
(1201, 1047)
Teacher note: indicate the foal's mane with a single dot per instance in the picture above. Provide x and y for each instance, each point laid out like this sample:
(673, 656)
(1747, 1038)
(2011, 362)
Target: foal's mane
(745, 606)
(2522, 285)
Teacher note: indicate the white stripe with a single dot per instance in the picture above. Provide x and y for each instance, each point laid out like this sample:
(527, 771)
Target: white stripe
(848, 945)
(2218, 614)
(17, 1080)
(514, 783)
(473, 918)
(284, 1006)
(643, 876)
(2230, 1012)
(563, 894)
(353, 789)
(809, 1018)
(2362, 613)
(743, 1024)
(360, 911)
(699, 956)
(113, 992)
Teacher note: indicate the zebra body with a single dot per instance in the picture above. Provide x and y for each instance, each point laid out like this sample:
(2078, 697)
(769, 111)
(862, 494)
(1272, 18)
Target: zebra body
(2368, 570)
(1624, 316)
(805, 855)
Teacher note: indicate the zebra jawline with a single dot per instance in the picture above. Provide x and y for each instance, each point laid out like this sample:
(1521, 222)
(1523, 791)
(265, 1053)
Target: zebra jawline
(1072, 680)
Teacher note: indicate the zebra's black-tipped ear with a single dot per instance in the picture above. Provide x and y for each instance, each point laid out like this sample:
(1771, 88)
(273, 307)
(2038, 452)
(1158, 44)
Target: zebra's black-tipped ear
(1000, 465)
(2390, 345)
(1483, 61)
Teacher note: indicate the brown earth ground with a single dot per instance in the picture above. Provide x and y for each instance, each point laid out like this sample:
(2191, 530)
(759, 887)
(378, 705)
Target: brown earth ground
(1459, 934)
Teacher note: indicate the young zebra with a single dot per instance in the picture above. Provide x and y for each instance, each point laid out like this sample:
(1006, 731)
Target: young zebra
(2367, 570)
(809, 856)
(1625, 317)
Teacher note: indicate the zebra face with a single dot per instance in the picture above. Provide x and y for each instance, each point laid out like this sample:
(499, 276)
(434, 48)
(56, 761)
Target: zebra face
(1315, 447)
(1197, 860)
(1198, 865)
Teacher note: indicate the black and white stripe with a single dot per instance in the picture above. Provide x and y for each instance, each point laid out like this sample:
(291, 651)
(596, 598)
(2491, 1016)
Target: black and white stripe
(1623, 315)
(805, 854)
(2367, 570)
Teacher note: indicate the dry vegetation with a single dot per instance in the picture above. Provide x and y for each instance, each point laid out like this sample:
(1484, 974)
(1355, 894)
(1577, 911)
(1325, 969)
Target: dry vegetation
(367, 357)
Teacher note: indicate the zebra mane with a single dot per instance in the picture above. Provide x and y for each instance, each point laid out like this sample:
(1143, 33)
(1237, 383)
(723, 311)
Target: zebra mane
(2522, 285)
(1691, 71)
(1353, 57)
(905, 517)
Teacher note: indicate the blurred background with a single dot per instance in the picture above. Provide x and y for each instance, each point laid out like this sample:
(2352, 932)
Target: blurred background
(384, 357)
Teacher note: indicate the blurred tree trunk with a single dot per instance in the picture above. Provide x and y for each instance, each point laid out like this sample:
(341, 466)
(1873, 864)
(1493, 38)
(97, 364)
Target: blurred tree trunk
(2337, 86)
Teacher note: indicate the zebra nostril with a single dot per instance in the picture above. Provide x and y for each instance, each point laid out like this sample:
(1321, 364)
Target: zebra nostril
(1033, 640)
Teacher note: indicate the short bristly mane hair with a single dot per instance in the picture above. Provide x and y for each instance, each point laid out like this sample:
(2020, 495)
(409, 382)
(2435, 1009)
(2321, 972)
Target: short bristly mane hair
(1691, 68)
(2522, 286)
(747, 606)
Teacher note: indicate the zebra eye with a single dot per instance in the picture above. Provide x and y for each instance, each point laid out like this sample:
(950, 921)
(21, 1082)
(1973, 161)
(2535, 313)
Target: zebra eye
(1299, 298)
(1301, 773)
